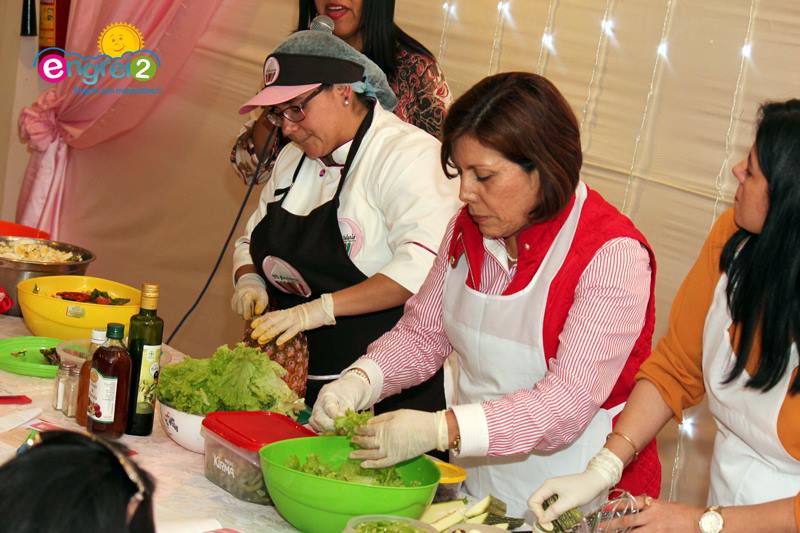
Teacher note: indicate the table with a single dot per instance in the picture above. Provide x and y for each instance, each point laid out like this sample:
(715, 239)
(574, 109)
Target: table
(182, 491)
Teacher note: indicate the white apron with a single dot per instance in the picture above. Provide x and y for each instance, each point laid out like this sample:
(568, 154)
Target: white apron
(749, 464)
(500, 350)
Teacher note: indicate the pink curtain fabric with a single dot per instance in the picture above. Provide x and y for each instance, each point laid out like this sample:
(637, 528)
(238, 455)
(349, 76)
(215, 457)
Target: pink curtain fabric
(62, 119)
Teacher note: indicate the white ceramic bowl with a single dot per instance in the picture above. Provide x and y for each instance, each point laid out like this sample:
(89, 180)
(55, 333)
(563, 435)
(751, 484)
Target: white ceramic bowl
(183, 428)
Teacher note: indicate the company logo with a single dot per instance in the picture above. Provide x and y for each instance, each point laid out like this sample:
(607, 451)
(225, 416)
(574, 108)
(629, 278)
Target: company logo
(122, 55)
(271, 70)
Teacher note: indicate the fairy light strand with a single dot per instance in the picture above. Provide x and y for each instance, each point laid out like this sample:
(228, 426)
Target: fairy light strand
(602, 47)
(546, 47)
(449, 9)
(743, 62)
(660, 58)
(497, 40)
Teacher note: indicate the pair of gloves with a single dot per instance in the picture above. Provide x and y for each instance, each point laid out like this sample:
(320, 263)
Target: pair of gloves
(250, 301)
(387, 439)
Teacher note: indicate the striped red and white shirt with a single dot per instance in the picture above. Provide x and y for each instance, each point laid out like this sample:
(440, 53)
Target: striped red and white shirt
(603, 324)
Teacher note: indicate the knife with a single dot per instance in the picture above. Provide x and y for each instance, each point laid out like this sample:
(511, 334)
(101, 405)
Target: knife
(14, 399)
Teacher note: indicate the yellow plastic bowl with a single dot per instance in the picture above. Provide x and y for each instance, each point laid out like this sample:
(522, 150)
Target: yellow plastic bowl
(47, 315)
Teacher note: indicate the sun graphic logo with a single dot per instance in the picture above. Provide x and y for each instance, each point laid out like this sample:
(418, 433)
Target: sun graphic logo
(118, 38)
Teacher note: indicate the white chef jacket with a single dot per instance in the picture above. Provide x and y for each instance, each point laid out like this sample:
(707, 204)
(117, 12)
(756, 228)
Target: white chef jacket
(394, 206)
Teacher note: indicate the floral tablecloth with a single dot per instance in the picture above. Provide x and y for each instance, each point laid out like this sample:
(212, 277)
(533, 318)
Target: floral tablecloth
(182, 491)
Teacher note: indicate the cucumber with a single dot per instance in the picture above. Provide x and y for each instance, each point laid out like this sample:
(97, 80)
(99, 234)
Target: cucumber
(437, 511)
(566, 521)
(477, 519)
(480, 507)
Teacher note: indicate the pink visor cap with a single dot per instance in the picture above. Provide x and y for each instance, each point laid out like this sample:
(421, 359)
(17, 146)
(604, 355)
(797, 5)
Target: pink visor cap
(287, 76)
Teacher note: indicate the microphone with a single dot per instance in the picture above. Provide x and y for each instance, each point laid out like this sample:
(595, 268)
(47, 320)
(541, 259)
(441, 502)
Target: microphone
(322, 23)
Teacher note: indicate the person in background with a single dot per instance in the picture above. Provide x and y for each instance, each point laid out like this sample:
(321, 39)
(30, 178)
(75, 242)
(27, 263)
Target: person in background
(368, 26)
(543, 289)
(733, 338)
(346, 229)
(66, 481)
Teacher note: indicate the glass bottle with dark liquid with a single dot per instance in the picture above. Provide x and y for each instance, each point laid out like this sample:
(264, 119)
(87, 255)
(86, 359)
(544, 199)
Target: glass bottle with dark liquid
(109, 381)
(144, 346)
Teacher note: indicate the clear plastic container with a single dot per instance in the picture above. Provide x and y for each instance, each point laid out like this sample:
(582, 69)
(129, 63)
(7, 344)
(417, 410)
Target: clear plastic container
(453, 477)
(232, 442)
(378, 522)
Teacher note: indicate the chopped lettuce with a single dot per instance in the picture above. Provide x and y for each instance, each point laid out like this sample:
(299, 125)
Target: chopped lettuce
(349, 421)
(238, 379)
(349, 471)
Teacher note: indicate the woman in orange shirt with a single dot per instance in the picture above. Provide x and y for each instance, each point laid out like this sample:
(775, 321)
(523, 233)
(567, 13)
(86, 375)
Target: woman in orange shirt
(733, 337)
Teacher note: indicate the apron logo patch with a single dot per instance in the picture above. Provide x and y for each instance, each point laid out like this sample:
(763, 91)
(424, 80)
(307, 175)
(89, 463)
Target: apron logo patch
(352, 236)
(285, 277)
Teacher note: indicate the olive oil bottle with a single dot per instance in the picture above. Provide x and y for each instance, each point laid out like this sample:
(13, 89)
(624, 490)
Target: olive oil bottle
(144, 346)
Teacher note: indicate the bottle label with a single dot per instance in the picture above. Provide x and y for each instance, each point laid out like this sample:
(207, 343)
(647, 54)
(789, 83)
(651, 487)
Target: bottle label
(102, 397)
(148, 378)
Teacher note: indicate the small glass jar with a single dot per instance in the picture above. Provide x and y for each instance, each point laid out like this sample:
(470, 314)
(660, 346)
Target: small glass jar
(71, 392)
(60, 383)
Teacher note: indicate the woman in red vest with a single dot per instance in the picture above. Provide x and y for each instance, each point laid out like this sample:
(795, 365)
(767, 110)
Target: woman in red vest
(542, 288)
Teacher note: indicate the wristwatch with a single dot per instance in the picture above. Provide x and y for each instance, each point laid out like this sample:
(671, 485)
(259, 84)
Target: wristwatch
(711, 521)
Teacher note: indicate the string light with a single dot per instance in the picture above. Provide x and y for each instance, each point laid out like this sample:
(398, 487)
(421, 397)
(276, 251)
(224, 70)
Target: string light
(665, 28)
(608, 27)
(662, 49)
(743, 62)
(547, 41)
(497, 39)
(600, 52)
(548, 46)
(449, 12)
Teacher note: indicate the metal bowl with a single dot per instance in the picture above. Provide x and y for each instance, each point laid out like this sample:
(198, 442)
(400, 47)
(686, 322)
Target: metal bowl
(13, 271)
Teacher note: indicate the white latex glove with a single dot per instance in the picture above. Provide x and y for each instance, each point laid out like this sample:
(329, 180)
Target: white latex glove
(249, 296)
(289, 322)
(394, 437)
(603, 472)
(350, 391)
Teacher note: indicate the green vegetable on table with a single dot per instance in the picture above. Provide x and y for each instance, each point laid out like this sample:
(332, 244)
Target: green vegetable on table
(387, 526)
(349, 471)
(238, 379)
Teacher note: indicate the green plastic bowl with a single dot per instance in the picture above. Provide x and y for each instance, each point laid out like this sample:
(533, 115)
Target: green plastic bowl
(321, 505)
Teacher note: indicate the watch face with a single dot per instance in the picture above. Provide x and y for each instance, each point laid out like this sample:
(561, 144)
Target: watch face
(711, 522)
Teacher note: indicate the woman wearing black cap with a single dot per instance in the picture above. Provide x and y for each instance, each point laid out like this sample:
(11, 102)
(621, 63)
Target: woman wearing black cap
(368, 26)
(345, 231)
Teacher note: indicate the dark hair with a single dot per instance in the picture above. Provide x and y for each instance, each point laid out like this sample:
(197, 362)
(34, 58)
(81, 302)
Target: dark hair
(382, 37)
(524, 117)
(764, 269)
(71, 482)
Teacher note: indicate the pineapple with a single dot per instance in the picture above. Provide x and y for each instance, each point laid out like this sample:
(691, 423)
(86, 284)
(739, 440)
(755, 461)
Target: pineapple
(292, 355)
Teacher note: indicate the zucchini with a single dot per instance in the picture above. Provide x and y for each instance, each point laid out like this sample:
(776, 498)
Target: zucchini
(494, 520)
(477, 519)
(565, 522)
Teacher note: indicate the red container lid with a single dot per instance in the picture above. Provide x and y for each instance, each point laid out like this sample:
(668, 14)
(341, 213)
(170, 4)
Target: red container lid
(252, 430)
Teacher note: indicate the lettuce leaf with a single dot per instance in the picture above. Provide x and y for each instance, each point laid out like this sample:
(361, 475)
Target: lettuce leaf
(238, 379)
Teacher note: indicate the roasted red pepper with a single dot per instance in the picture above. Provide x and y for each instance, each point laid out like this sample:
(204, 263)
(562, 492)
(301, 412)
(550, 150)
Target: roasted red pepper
(75, 296)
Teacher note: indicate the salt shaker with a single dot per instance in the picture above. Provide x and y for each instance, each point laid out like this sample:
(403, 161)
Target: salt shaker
(60, 383)
(71, 392)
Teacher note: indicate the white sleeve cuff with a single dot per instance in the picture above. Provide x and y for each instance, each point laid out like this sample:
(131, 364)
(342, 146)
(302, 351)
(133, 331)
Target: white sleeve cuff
(375, 374)
(473, 429)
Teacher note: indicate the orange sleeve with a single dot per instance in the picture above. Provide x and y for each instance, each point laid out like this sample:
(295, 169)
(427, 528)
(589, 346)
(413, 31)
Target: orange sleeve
(675, 366)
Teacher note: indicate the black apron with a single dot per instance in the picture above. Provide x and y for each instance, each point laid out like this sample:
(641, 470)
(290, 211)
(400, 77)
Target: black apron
(314, 247)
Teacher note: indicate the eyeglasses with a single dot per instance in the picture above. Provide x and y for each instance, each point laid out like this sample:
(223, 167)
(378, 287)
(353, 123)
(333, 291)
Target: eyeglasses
(133, 474)
(293, 113)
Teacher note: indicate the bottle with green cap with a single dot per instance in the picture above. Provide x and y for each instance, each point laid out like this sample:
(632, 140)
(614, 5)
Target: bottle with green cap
(144, 345)
(109, 383)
